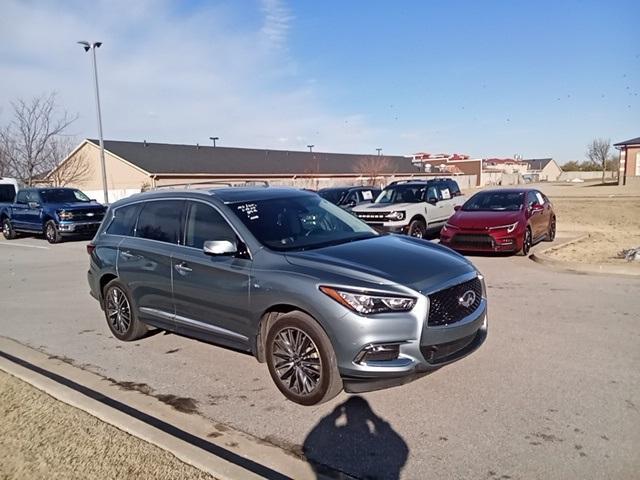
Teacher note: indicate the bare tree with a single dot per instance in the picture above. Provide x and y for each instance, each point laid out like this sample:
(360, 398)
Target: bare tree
(373, 166)
(598, 153)
(62, 171)
(26, 142)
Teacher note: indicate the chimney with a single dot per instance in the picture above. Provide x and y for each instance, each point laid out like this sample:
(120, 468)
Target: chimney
(144, 143)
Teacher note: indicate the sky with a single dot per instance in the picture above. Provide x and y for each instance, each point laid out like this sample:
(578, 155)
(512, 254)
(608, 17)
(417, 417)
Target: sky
(488, 79)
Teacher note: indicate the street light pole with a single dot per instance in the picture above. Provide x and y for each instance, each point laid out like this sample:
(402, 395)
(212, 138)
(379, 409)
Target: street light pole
(310, 147)
(92, 46)
(379, 150)
(214, 140)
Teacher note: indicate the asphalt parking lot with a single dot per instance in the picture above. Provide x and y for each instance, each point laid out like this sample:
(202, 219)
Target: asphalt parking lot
(553, 393)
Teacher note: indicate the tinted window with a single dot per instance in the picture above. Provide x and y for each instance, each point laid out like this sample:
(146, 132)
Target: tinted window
(332, 194)
(532, 199)
(205, 223)
(63, 195)
(404, 193)
(494, 201)
(161, 221)
(453, 186)
(124, 220)
(7, 193)
(22, 196)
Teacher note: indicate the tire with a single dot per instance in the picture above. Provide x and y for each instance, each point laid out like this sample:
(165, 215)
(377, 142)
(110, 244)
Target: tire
(551, 233)
(117, 310)
(51, 232)
(312, 376)
(417, 229)
(7, 230)
(526, 242)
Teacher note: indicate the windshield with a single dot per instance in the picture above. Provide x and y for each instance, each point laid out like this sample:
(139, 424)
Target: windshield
(300, 223)
(334, 195)
(402, 194)
(494, 202)
(63, 195)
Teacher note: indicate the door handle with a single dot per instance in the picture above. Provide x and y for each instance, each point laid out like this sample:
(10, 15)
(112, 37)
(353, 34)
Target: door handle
(183, 268)
(127, 255)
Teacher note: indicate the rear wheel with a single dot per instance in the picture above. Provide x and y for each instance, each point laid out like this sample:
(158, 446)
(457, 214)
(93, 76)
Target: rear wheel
(51, 232)
(417, 228)
(7, 230)
(301, 360)
(551, 234)
(526, 242)
(121, 318)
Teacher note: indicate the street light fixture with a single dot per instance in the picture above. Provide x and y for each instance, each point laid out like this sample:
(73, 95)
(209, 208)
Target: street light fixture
(92, 46)
(310, 147)
(379, 150)
(213, 139)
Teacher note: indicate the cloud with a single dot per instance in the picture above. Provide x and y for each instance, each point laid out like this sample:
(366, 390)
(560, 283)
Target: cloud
(173, 74)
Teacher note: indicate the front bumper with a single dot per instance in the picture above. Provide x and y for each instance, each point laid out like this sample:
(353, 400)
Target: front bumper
(78, 227)
(422, 348)
(481, 241)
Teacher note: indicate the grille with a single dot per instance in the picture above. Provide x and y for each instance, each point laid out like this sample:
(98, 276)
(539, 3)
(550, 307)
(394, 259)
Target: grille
(482, 241)
(88, 215)
(445, 306)
(445, 351)
(372, 216)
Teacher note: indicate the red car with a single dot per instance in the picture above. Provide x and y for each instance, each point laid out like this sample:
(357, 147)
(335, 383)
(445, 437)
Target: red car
(504, 220)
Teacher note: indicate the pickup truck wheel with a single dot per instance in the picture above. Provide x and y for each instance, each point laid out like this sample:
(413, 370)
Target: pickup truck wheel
(51, 232)
(301, 360)
(417, 229)
(121, 318)
(7, 230)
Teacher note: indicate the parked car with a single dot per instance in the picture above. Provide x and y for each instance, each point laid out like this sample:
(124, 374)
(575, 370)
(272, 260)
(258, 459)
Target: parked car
(323, 299)
(412, 206)
(349, 197)
(505, 220)
(54, 212)
(8, 189)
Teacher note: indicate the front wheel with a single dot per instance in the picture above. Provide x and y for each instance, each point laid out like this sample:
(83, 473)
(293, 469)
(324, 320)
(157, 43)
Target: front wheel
(526, 242)
(301, 360)
(417, 229)
(7, 230)
(51, 232)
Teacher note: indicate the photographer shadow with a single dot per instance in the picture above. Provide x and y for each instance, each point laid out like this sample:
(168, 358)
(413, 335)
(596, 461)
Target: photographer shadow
(354, 440)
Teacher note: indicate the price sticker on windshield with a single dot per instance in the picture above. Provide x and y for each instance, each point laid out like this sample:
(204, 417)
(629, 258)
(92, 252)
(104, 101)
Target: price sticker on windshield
(367, 195)
(446, 194)
(250, 210)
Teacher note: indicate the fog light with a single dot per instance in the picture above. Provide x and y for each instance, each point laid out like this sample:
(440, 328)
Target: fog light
(506, 241)
(378, 353)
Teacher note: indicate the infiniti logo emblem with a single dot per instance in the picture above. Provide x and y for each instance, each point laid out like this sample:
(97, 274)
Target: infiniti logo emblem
(467, 299)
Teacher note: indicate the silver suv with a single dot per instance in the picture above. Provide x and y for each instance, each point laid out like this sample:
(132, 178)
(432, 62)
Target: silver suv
(412, 206)
(326, 301)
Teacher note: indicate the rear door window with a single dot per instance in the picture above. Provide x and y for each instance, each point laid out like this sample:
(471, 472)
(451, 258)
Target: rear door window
(124, 220)
(161, 221)
(205, 223)
(7, 193)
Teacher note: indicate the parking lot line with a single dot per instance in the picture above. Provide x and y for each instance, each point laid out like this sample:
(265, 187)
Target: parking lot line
(12, 244)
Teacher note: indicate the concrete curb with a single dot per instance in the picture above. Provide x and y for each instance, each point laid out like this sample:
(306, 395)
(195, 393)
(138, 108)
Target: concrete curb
(214, 448)
(581, 268)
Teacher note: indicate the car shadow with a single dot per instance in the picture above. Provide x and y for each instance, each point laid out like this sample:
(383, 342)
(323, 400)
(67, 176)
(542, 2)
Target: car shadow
(356, 441)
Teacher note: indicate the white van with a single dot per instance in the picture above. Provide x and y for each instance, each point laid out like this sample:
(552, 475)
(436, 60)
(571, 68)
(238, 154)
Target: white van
(8, 189)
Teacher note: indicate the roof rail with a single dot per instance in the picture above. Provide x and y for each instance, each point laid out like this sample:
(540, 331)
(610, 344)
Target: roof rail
(214, 183)
(418, 180)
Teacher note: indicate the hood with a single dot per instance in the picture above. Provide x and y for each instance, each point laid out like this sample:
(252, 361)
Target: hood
(417, 264)
(77, 206)
(483, 220)
(383, 207)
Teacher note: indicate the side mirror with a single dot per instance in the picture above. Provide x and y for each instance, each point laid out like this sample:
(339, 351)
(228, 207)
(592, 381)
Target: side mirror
(220, 247)
(93, 200)
(432, 200)
(351, 204)
(34, 205)
(457, 207)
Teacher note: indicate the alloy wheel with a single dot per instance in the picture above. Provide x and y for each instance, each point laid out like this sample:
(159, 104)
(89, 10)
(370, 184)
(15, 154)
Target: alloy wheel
(118, 310)
(297, 361)
(6, 228)
(552, 230)
(51, 233)
(526, 246)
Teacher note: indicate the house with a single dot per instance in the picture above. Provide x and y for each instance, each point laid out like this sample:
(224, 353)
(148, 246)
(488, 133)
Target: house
(506, 165)
(449, 164)
(135, 166)
(629, 160)
(543, 169)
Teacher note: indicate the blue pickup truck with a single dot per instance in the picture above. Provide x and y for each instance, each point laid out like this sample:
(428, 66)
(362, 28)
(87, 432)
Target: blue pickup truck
(54, 212)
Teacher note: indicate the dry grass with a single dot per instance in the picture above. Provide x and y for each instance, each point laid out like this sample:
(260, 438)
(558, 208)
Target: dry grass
(43, 438)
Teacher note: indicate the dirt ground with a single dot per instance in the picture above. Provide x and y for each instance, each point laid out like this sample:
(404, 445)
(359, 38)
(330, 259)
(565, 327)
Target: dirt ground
(609, 214)
(43, 438)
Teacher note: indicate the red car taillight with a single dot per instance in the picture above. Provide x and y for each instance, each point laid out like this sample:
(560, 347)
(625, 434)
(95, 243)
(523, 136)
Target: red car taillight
(90, 248)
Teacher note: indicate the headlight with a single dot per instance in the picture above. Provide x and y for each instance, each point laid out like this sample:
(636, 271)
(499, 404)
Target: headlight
(64, 215)
(395, 216)
(509, 228)
(365, 303)
(448, 226)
